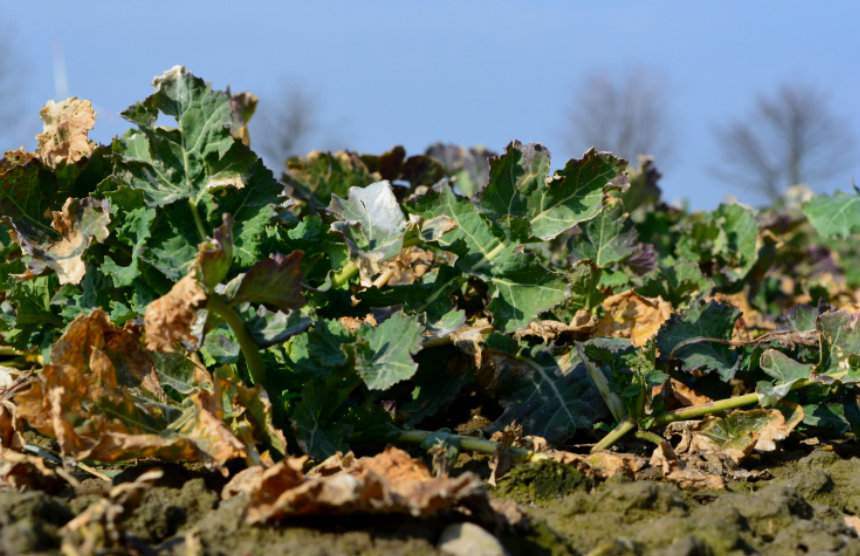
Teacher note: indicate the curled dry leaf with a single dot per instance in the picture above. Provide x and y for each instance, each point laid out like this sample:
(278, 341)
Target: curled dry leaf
(583, 322)
(686, 473)
(79, 224)
(630, 315)
(679, 394)
(391, 482)
(102, 398)
(734, 436)
(64, 139)
(177, 317)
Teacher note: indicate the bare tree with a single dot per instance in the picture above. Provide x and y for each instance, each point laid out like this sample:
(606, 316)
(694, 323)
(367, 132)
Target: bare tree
(629, 116)
(286, 124)
(792, 137)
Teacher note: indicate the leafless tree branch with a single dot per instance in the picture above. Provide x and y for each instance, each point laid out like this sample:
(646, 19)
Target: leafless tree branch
(628, 116)
(792, 137)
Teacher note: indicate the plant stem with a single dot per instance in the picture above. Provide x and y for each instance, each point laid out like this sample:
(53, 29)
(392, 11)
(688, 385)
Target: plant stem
(198, 222)
(344, 275)
(614, 435)
(464, 442)
(250, 350)
(649, 436)
(695, 411)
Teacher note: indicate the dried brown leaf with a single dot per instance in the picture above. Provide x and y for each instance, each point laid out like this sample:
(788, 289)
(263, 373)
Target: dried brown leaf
(176, 318)
(65, 137)
(630, 315)
(391, 482)
(101, 399)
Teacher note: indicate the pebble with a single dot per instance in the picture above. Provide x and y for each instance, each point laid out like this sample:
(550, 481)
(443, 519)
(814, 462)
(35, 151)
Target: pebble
(468, 539)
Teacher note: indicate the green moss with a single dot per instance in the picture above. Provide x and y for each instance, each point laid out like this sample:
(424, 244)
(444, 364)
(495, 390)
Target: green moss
(543, 480)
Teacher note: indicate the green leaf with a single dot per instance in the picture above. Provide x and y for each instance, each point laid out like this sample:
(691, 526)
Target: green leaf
(573, 196)
(698, 337)
(522, 170)
(525, 290)
(609, 239)
(384, 353)
(168, 165)
(840, 346)
(317, 418)
(548, 397)
(836, 215)
(784, 370)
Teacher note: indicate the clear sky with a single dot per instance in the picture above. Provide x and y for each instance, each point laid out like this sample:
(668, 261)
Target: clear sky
(468, 72)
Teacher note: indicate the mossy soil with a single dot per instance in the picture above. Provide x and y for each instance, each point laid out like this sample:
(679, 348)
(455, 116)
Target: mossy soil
(802, 509)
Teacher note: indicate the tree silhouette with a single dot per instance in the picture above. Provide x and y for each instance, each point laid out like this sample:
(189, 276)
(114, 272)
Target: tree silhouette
(791, 137)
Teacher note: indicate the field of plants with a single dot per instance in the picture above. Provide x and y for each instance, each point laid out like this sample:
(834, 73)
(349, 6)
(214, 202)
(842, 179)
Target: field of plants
(453, 352)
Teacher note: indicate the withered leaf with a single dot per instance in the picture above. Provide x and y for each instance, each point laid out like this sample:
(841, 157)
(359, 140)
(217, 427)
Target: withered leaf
(176, 318)
(79, 224)
(105, 397)
(64, 139)
(630, 315)
(390, 483)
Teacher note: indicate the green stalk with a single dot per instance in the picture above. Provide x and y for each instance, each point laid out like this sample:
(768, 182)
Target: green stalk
(696, 411)
(614, 435)
(198, 222)
(345, 274)
(250, 349)
(649, 436)
(463, 442)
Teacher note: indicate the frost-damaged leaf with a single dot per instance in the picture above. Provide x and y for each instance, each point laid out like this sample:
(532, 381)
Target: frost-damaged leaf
(276, 281)
(177, 318)
(574, 195)
(389, 483)
(739, 433)
(836, 215)
(65, 138)
(785, 371)
(630, 315)
(104, 397)
(243, 106)
(699, 338)
(78, 225)
(372, 222)
(840, 347)
(100, 398)
(384, 354)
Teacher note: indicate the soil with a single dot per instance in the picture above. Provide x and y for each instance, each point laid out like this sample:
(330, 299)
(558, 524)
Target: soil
(802, 509)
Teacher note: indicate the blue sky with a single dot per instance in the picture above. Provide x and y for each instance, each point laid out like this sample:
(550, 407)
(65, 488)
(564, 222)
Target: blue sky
(468, 72)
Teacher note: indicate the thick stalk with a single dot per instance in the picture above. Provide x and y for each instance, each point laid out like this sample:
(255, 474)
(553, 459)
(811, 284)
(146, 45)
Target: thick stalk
(198, 222)
(464, 442)
(614, 435)
(345, 274)
(250, 350)
(696, 411)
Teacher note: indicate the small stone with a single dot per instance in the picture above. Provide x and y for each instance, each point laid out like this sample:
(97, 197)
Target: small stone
(468, 539)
